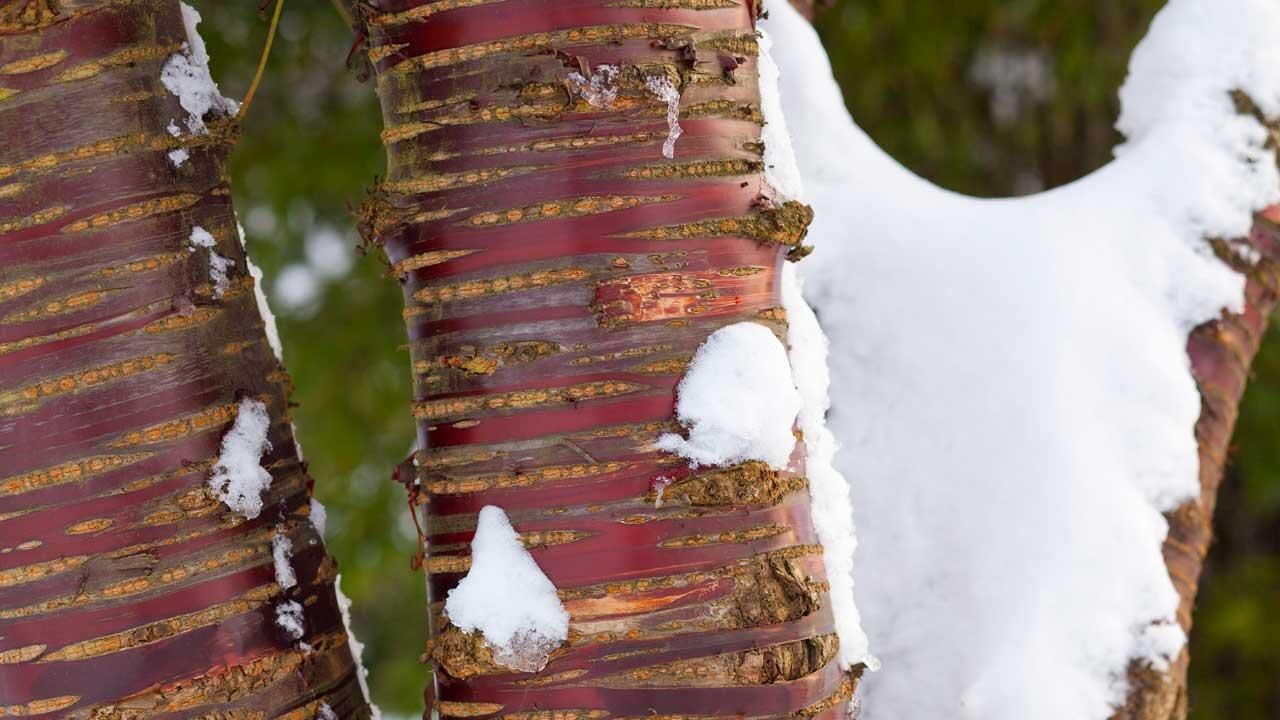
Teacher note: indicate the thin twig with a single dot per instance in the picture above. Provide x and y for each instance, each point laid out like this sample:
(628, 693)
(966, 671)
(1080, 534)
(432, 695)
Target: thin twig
(341, 7)
(262, 62)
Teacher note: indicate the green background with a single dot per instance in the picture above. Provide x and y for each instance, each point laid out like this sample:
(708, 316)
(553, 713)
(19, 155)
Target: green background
(987, 97)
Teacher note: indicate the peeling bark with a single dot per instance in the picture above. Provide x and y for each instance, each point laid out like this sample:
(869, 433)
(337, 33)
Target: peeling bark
(127, 590)
(559, 272)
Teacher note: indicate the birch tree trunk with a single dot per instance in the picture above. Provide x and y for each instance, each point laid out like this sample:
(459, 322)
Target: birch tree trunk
(127, 589)
(559, 272)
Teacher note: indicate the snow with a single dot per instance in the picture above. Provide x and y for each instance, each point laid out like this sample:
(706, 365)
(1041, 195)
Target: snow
(289, 617)
(1010, 379)
(186, 75)
(281, 552)
(264, 309)
(201, 238)
(319, 516)
(522, 634)
(239, 479)
(737, 401)
(666, 91)
(828, 490)
(218, 265)
(179, 156)
(601, 89)
(357, 647)
(324, 712)
(780, 169)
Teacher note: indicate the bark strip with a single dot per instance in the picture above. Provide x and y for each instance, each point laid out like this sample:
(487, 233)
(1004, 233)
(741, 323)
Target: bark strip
(127, 590)
(558, 273)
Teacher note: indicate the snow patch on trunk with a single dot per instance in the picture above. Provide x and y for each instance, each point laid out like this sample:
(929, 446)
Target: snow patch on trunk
(737, 400)
(666, 91)
(522, 634)
(289, 618)
(780, 168)
(319, 517)
(357, 647)
(239, 479)
(187, 76)
(1010, 378)
(264, 308)
(828, 491)
(218, 265)
(281, 553)
(601, 89)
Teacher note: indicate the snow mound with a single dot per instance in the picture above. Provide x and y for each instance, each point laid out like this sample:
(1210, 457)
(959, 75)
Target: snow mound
(1010, 380)
(737, 400)
(523, 632)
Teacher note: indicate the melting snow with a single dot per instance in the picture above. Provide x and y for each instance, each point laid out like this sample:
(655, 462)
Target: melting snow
(737, 400)
(522, 634)
(599, 91)
(239, 479)
(1010, 378)
(663, 89)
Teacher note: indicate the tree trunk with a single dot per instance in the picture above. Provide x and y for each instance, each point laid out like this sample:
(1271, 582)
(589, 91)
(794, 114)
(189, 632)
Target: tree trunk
(127, 589)
(1221, 353)
(558, 275)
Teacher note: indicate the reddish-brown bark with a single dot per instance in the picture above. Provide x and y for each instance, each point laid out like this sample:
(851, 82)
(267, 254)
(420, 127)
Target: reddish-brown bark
(127, 590)
(1221, 353)
(558, 274)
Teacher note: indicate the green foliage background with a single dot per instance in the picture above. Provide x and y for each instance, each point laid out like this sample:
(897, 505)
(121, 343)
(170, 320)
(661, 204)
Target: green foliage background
(311, 148)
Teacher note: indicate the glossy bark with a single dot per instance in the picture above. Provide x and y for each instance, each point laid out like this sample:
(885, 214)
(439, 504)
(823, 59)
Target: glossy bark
(558, 275)
(127, 590)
